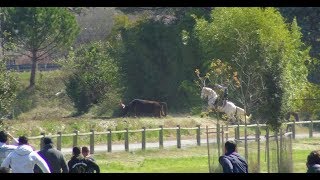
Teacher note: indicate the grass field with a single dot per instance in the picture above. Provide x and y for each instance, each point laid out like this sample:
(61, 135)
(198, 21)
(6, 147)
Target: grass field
(193, 159)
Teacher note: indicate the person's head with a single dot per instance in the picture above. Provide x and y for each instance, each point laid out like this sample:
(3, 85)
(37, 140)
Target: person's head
(85, 151)
(313, 158)
(76, 151)
(23, 140)
(47, 140)
(230, 146)
(3, 137)
(4, 170)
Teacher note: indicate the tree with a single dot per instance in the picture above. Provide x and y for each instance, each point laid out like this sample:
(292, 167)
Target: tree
(268, 55)
(38, 32)
(8, 88)
(92, 77)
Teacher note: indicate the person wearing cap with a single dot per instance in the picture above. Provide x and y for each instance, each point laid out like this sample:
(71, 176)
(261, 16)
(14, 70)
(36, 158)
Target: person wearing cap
(24, 158)
(231, 161)
(54, 158)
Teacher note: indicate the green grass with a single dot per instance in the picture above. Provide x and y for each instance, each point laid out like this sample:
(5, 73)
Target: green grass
(192, 159)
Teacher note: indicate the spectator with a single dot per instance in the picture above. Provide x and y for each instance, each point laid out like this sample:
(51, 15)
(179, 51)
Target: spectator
(231, 161)
(4, 170)
(23, 159)
(5, 148)
(53, 157)
(79, 164)
(86, 153)
(313, 162)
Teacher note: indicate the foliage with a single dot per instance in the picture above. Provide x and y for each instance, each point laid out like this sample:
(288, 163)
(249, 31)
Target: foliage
(37, 32)
(92, 76)
(155, 60)
(267, 55)
(8, 90)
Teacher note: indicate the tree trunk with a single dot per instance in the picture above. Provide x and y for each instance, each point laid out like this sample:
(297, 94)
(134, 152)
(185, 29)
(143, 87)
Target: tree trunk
(33, 69)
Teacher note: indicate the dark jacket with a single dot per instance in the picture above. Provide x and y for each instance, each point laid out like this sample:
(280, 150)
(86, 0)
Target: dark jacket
(54, 159)
(79, 164)
(314, 168)
(233, 163)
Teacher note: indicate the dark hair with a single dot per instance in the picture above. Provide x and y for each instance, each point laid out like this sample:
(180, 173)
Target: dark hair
(85, 149)
(47, 140)
(4, 170)
(3, 137)
(230, 146)
(76, 151)
(313, 157)
(23, 140)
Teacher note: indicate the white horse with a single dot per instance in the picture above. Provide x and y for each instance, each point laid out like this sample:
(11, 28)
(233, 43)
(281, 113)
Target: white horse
(231, 110)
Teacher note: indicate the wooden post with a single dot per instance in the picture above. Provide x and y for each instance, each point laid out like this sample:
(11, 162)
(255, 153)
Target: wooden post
(227, 134)
(222, 139)
(218, 138)
(280, 150)
(294, 129)
(277, 148)
(311, 129)
(178, 137)
(92, 141)
(246, 153)
(198, 135)
(161, 137)
(41, 140)
(258, 141)
(126, 140)
(208, 149)
(143, 138)
(267, 149)
(75, 138)
(238, 132)
(59, 141)
(109, 139)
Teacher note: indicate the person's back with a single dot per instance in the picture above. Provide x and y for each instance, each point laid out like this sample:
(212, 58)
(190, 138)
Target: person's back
(313, 162)
(53, 157)
(23, 159)
(79, 164)
(232, 162)
(5, 149)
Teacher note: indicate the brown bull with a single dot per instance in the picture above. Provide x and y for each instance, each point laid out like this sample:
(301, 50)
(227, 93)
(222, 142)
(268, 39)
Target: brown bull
(139, 107)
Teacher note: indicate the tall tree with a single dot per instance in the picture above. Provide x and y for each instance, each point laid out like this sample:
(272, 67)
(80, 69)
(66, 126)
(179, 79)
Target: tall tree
(258, 41)
(38, 32)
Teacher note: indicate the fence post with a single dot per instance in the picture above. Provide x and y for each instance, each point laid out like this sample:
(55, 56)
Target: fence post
(311, 129)
(281, 151)
(59, 141)
(109, 139)
(198, 135)
(143, 138)
(278, 148)
(41, 140)
(238, 131)
(75, 138)
(178, 137)
(227, 134)
(126, 139)
(218, 137)
(92, 141)
(161, 137)
(294, 129)
(267, 150)
(258, 140)
(222, 138)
